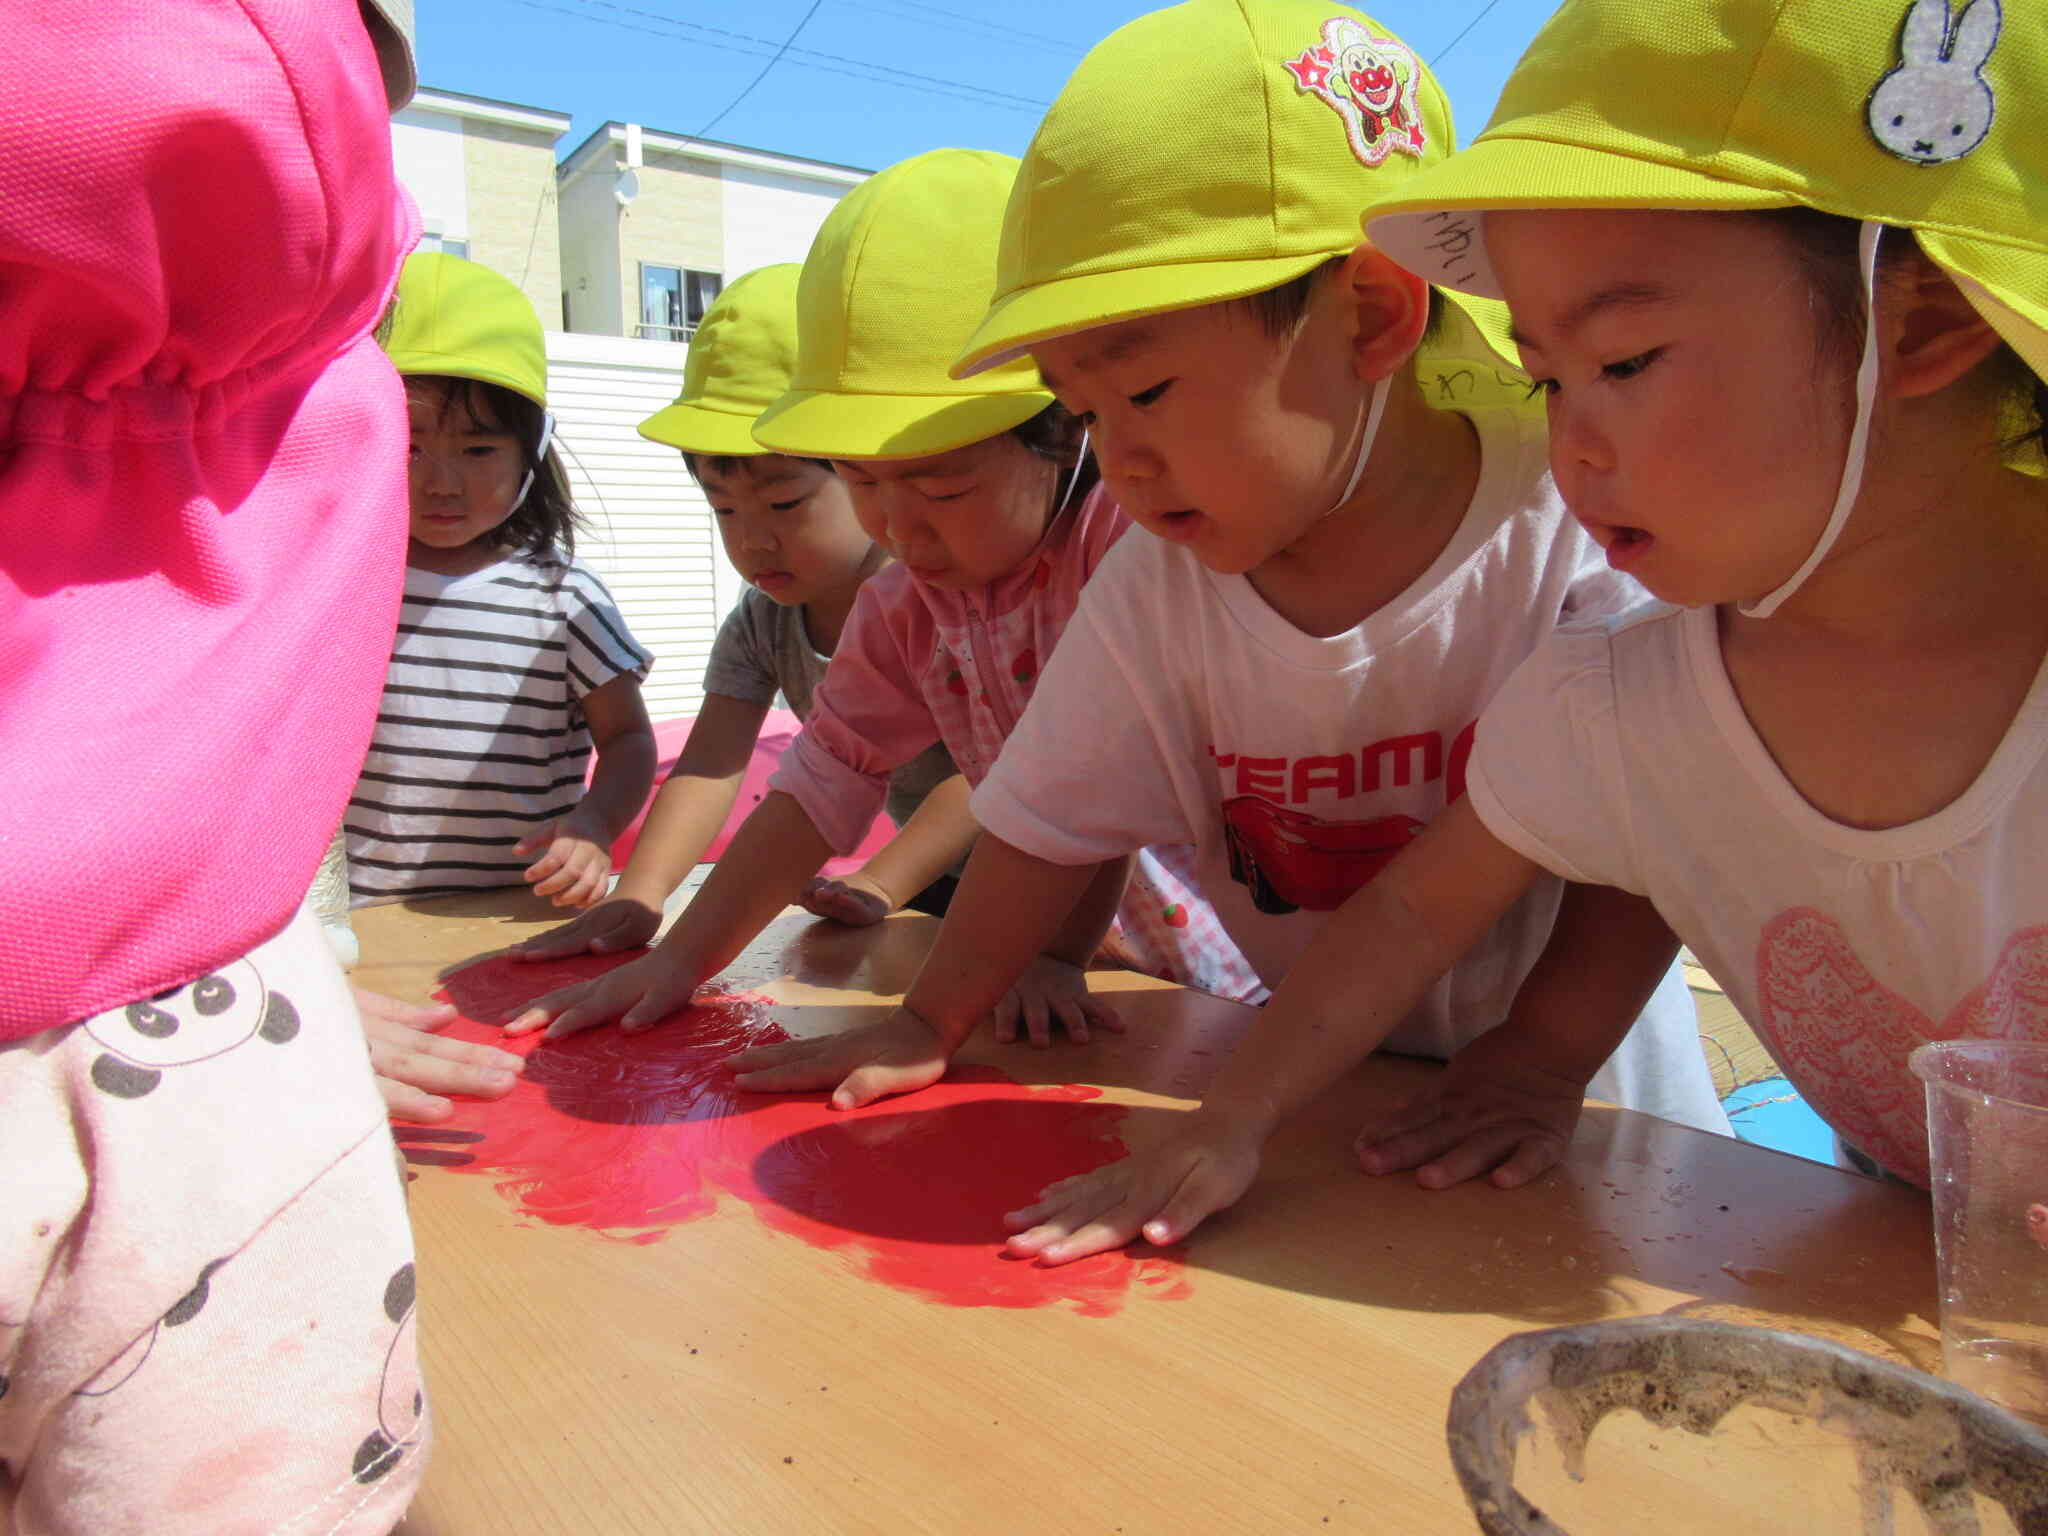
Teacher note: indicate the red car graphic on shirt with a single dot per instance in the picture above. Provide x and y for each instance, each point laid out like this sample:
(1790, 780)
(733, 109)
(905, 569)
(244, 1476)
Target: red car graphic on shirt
(1290, 860)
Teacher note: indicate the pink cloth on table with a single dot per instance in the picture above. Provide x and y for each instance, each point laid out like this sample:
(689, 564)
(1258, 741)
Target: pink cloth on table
(202, 480)
(777, 732)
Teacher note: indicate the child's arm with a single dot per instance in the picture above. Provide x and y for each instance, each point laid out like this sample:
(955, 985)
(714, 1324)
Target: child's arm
(686, 816)
(936, 837)
(1369, 966)
(577, 860)
(1510, 1100)
(775, 851)
(1054, 986)
(1010, 906)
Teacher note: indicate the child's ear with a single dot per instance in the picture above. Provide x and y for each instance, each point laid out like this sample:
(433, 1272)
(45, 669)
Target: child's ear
(1930, 334)
(1389, 310)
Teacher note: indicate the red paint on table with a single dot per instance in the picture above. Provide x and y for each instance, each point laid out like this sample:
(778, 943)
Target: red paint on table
(630, 1135)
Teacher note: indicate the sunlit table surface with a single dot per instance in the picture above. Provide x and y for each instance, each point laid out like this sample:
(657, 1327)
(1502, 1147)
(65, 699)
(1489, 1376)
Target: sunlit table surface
(743, 1365)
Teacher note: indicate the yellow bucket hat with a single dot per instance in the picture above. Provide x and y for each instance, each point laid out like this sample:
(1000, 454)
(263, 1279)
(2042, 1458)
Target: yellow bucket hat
(1903, 112)
(456, 318)
(895, 282)
(740, 363)
(1206, 152)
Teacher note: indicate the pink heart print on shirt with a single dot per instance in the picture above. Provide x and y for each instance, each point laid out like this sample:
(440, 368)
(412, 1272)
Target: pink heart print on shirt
(1843, 1037)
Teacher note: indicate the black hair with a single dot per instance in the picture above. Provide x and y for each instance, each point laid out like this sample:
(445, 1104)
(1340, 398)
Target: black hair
(1280, 311)
(1825, 246)
(546, 522)
(726, 463)
(1055, 433)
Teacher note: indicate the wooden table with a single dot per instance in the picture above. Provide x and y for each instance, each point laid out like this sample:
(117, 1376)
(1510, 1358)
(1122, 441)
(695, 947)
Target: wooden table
(1293, 1375)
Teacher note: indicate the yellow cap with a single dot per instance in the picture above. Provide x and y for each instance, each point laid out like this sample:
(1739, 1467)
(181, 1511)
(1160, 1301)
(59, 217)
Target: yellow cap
(739, 364)
(1206, 152)
(895, 282)
(456, 318)
(1884, 110)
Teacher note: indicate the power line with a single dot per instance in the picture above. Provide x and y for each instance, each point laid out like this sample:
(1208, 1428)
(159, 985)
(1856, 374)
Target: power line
(834, 59)
(996, 28)
(1447, 47)
(743, 95)
(923, 84)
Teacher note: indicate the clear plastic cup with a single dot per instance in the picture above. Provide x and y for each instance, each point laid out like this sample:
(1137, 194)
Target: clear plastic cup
(1987, 1134)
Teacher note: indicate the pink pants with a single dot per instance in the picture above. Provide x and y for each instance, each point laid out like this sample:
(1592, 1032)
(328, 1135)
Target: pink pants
(206, 1279)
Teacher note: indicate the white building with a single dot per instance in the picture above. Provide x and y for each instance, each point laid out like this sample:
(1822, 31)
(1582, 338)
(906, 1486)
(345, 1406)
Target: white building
(620, 247)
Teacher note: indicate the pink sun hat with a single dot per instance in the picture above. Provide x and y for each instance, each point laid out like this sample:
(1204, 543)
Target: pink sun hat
(202, 478)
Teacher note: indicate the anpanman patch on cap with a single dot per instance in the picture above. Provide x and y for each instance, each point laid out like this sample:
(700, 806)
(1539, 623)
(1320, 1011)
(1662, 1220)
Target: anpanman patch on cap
(1369, 82)
(1936, 105)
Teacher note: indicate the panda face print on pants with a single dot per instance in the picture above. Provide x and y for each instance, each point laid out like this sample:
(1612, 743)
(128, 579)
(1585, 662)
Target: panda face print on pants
(400, 1400)
(209, 1017)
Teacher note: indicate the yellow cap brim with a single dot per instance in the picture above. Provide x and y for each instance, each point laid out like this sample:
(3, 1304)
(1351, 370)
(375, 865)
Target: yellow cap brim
(1994, 278)
(1430, 225)
(1077, 304)
(1069, 305)
(1419, 225)
(821, 424)
(450, 365)
(696, 429)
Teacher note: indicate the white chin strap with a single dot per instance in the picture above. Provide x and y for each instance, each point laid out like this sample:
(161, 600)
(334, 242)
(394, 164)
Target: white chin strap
(540, 454)
(1375, 408)
(1859, 436)
(1073, 479)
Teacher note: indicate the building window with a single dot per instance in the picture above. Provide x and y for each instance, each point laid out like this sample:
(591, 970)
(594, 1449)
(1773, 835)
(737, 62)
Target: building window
(673, 300)
(441, 243)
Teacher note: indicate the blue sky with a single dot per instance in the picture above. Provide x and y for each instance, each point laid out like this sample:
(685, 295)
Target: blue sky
(867, 82)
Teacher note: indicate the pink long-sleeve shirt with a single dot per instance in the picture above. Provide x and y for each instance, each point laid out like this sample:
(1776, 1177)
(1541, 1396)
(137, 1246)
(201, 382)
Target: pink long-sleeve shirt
(918, 664)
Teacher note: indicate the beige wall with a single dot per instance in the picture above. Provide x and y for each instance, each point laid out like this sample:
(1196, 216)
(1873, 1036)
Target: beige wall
(513, 229)
(590, 252)
(676, 221)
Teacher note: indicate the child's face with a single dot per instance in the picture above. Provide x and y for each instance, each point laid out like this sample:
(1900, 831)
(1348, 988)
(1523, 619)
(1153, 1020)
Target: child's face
(1213, 433)
(464, 471)
(788, 526)
(1694, 429)
(961, 519)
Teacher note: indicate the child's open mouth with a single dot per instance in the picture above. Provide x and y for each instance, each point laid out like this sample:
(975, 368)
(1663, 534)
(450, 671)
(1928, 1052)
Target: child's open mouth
(1177, 525)
(1625, 546)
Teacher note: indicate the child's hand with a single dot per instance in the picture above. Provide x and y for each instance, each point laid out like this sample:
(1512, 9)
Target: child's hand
(898, 1054)
(1493, 1110)
(575, 863)
(852, 899)
(639, 995)
(413, 1064)
(605, 929)
(1162, 1193)
(1050, 992)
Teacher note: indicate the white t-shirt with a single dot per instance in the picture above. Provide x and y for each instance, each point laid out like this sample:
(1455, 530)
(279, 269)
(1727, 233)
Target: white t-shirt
(480, 734)
(1180, 708)
(1620, 754)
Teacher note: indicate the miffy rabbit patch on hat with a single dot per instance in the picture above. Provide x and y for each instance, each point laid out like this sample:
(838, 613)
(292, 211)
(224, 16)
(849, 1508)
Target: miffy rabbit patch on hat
(1908, 113)
(1935, 105)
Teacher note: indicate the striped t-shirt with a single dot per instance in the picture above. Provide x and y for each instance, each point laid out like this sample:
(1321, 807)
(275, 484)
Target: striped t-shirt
(480, 735)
